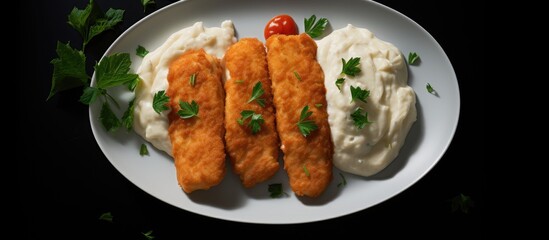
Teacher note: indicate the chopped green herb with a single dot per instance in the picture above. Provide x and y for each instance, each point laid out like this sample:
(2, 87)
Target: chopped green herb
(108, 118)
(430, 89)
(257, 92)
(343, 181)
(276, 190)
(339, 83)
(315, 29)
(413, 58)
(360, 120)
(297, 75)
(133, 84)
(358, 93)
(350, 68)
(148, 235)
(146, 3)
(143, 150)
(159, 101)
(141, 51)
(127, 118)
(318, 105)
(462, 203)
(188, 110)
(306, 171)
(106, 217)
(90, 95)
(69, 69)
(239, 81)
(255, 121)
(306, 126)
(192, 79)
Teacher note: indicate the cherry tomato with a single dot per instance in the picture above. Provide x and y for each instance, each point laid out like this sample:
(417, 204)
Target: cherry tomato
(281, 24)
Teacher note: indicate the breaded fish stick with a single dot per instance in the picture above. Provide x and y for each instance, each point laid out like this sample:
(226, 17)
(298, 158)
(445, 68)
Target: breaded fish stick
(254, 156)
(198, 147)
(298, 81)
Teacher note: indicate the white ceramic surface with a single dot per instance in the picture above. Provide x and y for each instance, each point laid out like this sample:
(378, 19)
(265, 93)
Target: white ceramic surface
(427, 141)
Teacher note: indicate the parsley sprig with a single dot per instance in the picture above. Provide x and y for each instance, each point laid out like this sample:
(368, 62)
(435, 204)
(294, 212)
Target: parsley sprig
(306, 126)
(276, 190)
(256, 120)
(350, 68)
(361, 120)
(188, 110)
(313, 28)
(159, 101)
(257, 92)
(360, 94)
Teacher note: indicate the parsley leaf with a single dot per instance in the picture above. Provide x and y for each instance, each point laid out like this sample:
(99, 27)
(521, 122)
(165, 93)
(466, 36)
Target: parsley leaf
(413, 58)
(359, 94)
(127, 118)
(133, 84)
(188, 110)
(350, 68)
(148, 235)
(315, 29)
(306, 126)
(159, 101)
(106, 217)
(462, 203)
(318, 105)
(146, 3)
(239, 81)
(141, 51)
(257, 92)
(360, 120)
(90, 95)
(306, 171)
(276, 190)
(91, 22)
(343, 181)
(69, 69)
(339, 83)
(192, 79)
(113, 71)
(255, 121)
(143, 150)
(430, 89)
(297, 75)
(108, 118)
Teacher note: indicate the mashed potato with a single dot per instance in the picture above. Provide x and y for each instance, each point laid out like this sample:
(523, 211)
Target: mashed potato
(154, 71)
(391, 104)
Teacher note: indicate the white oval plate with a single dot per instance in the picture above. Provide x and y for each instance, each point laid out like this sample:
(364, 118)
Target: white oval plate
(428, 139)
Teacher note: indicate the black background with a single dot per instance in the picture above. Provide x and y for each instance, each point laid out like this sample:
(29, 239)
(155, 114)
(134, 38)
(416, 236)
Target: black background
(66, 183)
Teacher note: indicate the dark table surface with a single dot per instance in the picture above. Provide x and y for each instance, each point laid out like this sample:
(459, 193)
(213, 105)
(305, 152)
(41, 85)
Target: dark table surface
(66, 183)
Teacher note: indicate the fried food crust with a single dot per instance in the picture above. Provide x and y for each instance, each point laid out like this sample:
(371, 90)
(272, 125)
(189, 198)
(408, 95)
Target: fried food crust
(198, 147)
(254, 157)
(288, 56)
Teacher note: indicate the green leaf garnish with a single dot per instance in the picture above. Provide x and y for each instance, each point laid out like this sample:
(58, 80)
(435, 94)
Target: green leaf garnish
(239, 81)
(350, 68)
(148, 235)
(127, 118)
(360, 120)
(359, 94)
(462, 203)
(306, 126)
(318, 105)
(315, 29)
(113, 70)
(306, 171)
(69, 69)
(430, 89)
(257, 92)
(276, 190)
(188, 110)
(159, 101)
(343, 181)
(192, 79)
(143, 150)
(297, 75)
(339, 83)
(146, 3)
(255, 120)
(106, 217)
(108, 118)
(90, 95)
(141, 51)
(413, 58)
